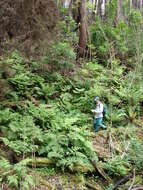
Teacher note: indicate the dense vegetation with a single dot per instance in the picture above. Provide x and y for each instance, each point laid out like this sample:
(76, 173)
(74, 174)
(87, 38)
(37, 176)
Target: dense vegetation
(45, 110)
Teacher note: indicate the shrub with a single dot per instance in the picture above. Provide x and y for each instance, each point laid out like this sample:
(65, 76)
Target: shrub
(60, 56)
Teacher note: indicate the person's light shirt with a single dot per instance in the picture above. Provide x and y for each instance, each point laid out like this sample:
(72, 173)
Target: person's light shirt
(99, 110)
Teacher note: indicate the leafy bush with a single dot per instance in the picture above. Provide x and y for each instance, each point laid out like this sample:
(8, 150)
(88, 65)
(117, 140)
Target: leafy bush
(61, 56)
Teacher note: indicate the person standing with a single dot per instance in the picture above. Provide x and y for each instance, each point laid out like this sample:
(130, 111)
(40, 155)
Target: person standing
(99, 113)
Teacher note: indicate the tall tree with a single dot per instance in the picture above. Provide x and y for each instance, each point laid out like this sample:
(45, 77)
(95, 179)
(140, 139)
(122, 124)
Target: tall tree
(96, 6)
(135, 3)
(70, 7)
(118, 11)
(103, 9)
(131, 4)
(83, 28)
(141, 4)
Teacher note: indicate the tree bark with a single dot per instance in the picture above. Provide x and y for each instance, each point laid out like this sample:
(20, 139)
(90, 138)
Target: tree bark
(45, 162)
(141, 4)
(83, 30)
(135, 3)
(103, 9)
(118, 11)
(131, 4)
(96, 7)
(70, 8)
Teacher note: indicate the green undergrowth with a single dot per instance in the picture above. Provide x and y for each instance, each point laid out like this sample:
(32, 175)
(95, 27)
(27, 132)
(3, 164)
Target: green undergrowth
(49, 115)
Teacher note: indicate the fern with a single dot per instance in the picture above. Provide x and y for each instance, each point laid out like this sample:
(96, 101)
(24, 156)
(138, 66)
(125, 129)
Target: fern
(16, 176)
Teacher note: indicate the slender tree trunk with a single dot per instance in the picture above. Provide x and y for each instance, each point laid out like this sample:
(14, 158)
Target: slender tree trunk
(96, 6)
(141, 5)
(103, 9)
(135, 3)
(118, 11)
(131, 5)
(99, 7)
(83, 30)
(138, 4)
(66, 3)
(70, 8)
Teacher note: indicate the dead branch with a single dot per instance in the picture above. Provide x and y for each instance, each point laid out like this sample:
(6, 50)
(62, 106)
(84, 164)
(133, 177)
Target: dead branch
(125, 151)
(122, 181)
(100, 170)
(133, 181)
(138, 188)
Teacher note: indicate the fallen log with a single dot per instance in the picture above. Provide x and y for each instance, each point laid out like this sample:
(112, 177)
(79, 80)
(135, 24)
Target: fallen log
(82, 168)
(94, 186)
(39, 161)
(45, 162)
(93, 167)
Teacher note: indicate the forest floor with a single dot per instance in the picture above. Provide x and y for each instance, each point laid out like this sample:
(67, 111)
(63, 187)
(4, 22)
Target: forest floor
(102, 144)
(105, 142)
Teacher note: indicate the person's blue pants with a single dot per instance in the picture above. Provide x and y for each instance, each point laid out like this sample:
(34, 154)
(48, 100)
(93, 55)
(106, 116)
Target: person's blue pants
(98, 123)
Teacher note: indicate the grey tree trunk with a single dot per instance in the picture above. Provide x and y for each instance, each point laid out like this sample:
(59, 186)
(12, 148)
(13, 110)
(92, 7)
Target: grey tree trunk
(138, 4)
(70, 8)
(141, 4)
(131, 5)
(118, 12)
(103, 9)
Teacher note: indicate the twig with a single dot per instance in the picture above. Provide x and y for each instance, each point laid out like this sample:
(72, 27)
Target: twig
(126, 149)
(123, 180)
(138, 188)
(111, 145)
(134, 175)
(100, 170)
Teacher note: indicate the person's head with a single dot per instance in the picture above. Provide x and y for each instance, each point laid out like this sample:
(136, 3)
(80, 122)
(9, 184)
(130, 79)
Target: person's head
(97, 100)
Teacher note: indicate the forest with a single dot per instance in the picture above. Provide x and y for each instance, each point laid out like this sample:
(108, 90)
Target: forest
(66, 66)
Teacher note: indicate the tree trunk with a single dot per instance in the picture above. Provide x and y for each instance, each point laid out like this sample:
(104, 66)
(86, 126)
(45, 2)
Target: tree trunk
(141, 4)
(131, 4)
(70, 8)
(118, 11)
(83, 29)
(96, 7)
(103, 9)
(135, 3)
